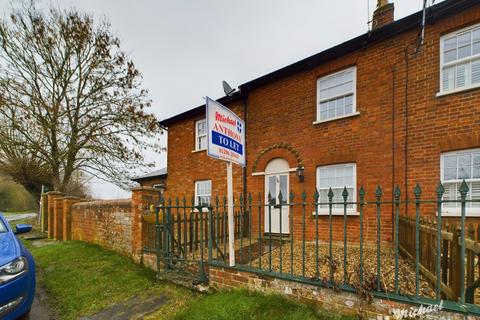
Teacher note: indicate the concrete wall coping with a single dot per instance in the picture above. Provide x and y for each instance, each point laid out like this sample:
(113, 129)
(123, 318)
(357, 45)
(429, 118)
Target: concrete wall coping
(72, 198)
(105, 203)
(54, 193)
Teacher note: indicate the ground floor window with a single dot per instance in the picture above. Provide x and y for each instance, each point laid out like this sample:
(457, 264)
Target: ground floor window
(203, 192)
(337, 177)
(455, 167)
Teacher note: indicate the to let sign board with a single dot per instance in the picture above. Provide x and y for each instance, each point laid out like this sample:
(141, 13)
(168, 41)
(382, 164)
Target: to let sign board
(225, 133)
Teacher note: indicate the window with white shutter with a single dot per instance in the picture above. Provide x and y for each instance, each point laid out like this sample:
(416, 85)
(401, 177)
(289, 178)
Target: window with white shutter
(460, 60)
(455, 167)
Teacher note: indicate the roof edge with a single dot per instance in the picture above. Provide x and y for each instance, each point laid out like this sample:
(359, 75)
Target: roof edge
(438, 11)
(193, 112)
(148, 178)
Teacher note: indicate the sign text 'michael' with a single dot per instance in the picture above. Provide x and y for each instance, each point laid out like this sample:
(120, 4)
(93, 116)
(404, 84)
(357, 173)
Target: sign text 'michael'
(222, 118)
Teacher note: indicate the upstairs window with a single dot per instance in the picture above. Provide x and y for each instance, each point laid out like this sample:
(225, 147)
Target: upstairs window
(460, 60)
(336, 95)
(455, 167)
(201, 135)
(337, 177)
(203, 192)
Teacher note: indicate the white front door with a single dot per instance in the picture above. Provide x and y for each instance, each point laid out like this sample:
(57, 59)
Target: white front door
(276, 211)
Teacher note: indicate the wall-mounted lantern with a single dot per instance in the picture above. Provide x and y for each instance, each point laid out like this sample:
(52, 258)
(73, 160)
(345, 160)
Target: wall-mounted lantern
(301, 173)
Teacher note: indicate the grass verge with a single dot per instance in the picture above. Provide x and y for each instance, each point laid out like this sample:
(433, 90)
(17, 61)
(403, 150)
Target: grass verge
(242, 304)
(81, 279)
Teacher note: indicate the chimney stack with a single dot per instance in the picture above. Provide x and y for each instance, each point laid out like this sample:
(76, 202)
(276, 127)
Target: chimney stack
(383, 15)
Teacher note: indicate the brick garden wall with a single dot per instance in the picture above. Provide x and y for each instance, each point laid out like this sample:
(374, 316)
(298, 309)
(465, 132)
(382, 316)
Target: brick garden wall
(106, 223)
(225, 278)
(116, 225)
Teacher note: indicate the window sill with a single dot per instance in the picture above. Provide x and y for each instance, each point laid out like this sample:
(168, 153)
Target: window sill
(458, 214)
(447, 93)
(336, 213)
(200, 150)
(337, 118)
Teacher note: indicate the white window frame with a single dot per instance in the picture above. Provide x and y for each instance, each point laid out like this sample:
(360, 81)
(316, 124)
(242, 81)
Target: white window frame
(456, 212)
(197, 195)
(456, 62)
(338, 211)
(198, 136)
(354, 96)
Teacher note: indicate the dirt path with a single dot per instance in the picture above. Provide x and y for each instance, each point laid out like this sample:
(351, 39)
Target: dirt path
(40, 309)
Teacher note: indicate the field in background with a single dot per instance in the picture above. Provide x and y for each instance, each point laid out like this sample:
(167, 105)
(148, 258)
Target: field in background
(14, 197)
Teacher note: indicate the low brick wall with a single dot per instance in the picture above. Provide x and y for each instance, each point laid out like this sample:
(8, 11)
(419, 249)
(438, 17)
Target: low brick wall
(106, 223)
(336, 301)
(116, 225)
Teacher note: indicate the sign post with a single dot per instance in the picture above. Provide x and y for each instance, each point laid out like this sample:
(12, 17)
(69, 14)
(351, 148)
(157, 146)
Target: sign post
(226, 141)
(231, 221)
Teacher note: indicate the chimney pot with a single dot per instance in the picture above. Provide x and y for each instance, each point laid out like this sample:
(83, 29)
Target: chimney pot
(381, 3)
(383, 15)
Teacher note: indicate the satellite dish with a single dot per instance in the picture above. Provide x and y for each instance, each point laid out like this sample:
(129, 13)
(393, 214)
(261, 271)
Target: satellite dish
(227, 89)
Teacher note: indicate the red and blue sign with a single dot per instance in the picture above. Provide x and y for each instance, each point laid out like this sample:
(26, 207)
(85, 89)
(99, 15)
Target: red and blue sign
(225, 132)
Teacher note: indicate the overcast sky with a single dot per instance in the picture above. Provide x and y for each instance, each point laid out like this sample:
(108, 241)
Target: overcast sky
(184, 49)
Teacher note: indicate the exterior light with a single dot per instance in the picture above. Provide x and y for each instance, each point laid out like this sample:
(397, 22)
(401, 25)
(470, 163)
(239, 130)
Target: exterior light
(301, 173)
(160, 186)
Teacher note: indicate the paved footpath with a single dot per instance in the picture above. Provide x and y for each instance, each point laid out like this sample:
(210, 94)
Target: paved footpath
(135, 308)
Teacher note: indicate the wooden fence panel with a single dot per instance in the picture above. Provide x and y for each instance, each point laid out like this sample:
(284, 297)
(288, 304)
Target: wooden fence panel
(450, 260)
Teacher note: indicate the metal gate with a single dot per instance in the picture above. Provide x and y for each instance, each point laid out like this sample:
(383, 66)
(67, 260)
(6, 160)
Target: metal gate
(184, 237)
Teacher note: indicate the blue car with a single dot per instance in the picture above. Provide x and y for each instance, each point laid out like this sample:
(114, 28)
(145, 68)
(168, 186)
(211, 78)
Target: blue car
(17, 273)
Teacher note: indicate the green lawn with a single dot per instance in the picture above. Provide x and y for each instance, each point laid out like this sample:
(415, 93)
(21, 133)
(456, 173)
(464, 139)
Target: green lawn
(81, 279)
(241, 304)
(32, 221)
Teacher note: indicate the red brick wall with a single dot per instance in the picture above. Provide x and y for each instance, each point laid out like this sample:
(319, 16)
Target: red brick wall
(117, 225)
(58, 218)
(50, 206)
(282, 112)
(336, 301)
(142, 199)
(106, 223)
(67, 216)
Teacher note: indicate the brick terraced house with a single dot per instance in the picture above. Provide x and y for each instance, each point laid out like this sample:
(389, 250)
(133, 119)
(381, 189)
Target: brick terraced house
(380, 109)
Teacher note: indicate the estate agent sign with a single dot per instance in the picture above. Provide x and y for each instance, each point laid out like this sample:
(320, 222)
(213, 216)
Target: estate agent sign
(226, 141)
(225, 133)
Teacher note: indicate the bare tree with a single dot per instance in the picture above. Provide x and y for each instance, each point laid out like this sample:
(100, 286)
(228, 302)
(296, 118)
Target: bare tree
(70, 100)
